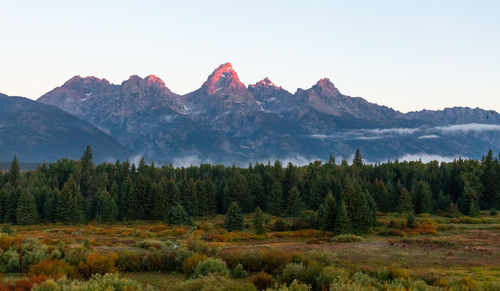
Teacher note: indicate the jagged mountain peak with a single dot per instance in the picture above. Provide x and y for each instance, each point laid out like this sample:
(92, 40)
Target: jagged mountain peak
(155, 80)
(326, 87)
(223, 77)
(265, 83)
(78, 80)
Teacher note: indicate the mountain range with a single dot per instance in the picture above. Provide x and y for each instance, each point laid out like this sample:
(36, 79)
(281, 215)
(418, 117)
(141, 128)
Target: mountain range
(225, 121)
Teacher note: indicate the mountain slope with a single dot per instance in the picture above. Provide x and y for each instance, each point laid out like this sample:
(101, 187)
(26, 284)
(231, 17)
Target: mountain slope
(225, 121)
(37, 132)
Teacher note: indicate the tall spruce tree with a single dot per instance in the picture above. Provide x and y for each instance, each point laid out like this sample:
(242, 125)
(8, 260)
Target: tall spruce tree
(328, 213)
(14, 174)
(275, 200)
(342, 224)
(106, 210)
(234, 217)
(70, 203)
(294, 205)
(404, 204)
(258, 221)
(26, 212)
(422, 194)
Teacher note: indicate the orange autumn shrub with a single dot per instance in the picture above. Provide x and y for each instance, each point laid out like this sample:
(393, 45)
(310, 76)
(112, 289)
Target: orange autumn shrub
(306, 233)
(262, 281)
(53, 268)
(213, 237)
(24, 284)
(180, 230)
(426, 227)
(98, 264)
(6, 242)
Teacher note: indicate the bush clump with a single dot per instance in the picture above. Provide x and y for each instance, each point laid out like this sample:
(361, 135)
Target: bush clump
(211, 266)
(239, 272)
(262, 281)
(98, 264)
(293, 271)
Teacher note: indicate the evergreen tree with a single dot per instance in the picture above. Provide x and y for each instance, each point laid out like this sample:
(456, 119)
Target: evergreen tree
(358, 209)
(423, 197)
(358, 159)
(404, 203)
(342, 224)
(26, 212)
(294, 205)
(240, 192)
(490, 181)
(381, 196)
(258, 221)
(328, 216)
(234, 218)
(70, 204)
(410, 220)
(275, 199)
(172, 193)
(160, 207)
(14, 174)
(468, 202)
(50, 205)
(443, 201)
(107, 211)
(12, 198)
(87, 172)
(177, 215)
(129, 204)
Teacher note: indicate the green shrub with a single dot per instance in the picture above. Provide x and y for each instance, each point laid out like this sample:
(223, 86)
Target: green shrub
(10, 260)
(34, 256)
(203, 247)
(295, 286)
(192, 262)
(493, 212)
(329, 275)
(129, 261)
(6, 228)
(173, 258)
(391, 273)
(293, 272)
(151, 244)
(239, 272)
(211, 266)
(96, 282)
(347, 238)
(76, 255)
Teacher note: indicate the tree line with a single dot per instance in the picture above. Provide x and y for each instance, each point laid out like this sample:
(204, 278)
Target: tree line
(341, 197)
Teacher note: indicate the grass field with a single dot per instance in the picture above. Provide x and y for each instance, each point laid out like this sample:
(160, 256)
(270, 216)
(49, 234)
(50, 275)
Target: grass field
(463, 249)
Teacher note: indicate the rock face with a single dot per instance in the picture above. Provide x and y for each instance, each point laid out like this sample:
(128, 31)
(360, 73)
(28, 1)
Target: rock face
(36, 132)
(225, 121)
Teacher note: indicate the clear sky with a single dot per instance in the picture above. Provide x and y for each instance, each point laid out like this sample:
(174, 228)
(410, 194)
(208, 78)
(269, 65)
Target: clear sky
(405, 54)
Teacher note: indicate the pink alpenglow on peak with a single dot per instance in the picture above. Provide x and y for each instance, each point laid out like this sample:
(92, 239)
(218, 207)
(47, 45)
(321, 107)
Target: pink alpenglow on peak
(153, 79)
(265, 83)
(224, 77)
(87, 80)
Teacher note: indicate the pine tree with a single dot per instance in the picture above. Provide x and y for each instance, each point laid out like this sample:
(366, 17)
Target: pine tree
(358, 209)
(106, 210)
(404, 203)
(14, 174)
(240, 192)
(468, 202)
(12, 198)
(258, 221)
(328, 216)
(177, 215)
(70, 203)
(274, 205)
(490, 181)
(26, 212)
(160, 207)
(358, 159)
(342, 224)
(381, 196)
(234, 218)
(410, 220)
(129, 203)
(87, 172)
(50, 205)
(172, 193)
(423, 197)
(294, 205)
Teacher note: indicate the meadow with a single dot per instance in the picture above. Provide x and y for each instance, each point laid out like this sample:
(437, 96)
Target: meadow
(435, 253)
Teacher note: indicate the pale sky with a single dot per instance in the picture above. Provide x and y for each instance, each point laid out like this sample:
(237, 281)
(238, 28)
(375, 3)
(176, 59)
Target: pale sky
(405, 54)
